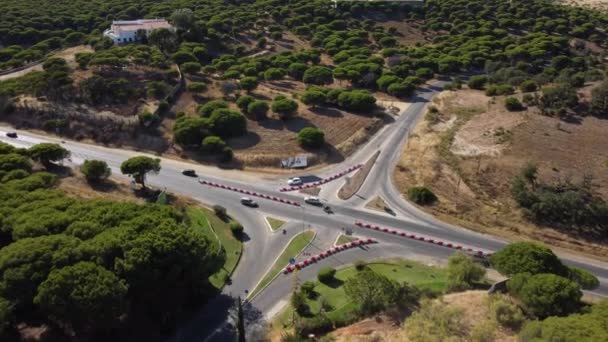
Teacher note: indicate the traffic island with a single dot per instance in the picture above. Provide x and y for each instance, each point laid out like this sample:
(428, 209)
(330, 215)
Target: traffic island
(294, 248)
(354, 183)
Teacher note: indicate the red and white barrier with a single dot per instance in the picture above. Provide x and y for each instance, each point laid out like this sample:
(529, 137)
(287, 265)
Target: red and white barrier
(248, 192)
(322, 181)
(421, 238)
(331, 251)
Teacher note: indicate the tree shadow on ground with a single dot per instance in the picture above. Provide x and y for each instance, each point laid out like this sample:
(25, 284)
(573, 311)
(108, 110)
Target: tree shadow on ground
(297, 123)
(106, 185)
(334, 283)
(59, 170)
(331, 112)
(244, 237)
(245, 141)
(332, 154)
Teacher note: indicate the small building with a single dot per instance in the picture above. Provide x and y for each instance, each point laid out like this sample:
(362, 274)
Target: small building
(126, 31)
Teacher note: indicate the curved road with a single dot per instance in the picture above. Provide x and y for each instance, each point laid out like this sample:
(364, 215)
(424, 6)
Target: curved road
(262, 246)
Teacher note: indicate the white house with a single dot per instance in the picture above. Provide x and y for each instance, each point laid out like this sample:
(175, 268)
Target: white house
(125, 31)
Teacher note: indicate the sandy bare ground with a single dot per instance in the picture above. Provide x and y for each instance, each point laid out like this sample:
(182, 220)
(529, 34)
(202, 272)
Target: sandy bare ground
(601, 5)
(68, 54)
(472, 180)
(473, 305)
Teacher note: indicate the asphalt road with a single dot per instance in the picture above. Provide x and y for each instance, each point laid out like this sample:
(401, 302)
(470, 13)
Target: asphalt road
(262, 246)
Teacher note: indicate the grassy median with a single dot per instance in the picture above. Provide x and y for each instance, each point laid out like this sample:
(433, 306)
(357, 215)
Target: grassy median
(422, 276)
(275, 223)
(296, 245)
(342, 239)
(217, 231)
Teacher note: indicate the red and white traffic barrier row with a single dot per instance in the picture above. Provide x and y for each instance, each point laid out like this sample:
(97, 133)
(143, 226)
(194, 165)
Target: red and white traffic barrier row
(322, 181)
(337, 249)
(427, 239)
(247, 192)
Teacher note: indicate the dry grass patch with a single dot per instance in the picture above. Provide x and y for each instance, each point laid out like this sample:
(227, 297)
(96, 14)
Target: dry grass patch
(377, 203)
(469, 165)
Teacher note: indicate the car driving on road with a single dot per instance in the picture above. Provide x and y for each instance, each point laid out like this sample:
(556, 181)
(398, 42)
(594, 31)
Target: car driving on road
(314, 200)
(189, 173)
(11, 134)
(294, 181)
(248, 202)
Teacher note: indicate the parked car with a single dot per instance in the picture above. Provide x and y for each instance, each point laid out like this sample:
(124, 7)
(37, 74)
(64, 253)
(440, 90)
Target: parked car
(314, 200)
(11, 134)
(189, 173)
(294, 181)
(248, 202)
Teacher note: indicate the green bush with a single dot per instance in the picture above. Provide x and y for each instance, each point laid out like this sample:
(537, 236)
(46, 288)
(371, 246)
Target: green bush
(506, 313)
(527, 257)
(326, 275)
(258, 109)
(311, 137)
(236, 229)
(545, 294)
(360, 265)
(477, 82)
(318, 75)
(95, 170)
(227, 123)
(243, 101)
(584, 278)
(191, 67)
(285, 107)
(227, 155)
(220, 211)
(197, 87)
(528, 86)
(421, 195)
(512, 104)
(274, 74)
(213, 144)
(298, 302)
(317, 325)
(308, 288)
(207, 109)
(500, 89)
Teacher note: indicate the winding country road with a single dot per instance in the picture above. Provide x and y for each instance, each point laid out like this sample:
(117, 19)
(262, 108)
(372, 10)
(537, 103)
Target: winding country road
(263, 246)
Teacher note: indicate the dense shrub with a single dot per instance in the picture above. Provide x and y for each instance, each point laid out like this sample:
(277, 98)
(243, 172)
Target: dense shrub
(326, 275)
(545, 295)
(285, 107)
(512, 104)
(561, 203)
(208, 108)
(421, 195)
(311, 137)
(258, 109)
(357, 100)
(197, 87)
(213, 144)
(477, 82)
(95, 170)
(500, 89)
(318, 75)
(236, 229)
(528, 86)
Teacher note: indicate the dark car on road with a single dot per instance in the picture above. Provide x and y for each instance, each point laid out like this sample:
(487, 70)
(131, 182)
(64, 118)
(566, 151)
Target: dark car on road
(11, 134)
(189, 173)
(248, 202)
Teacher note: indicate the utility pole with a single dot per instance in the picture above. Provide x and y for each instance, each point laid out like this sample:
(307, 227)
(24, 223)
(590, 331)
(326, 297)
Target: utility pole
(240, 324)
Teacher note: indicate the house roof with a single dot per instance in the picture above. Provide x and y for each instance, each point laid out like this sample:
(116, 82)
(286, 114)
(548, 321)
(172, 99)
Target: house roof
(140, 24)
